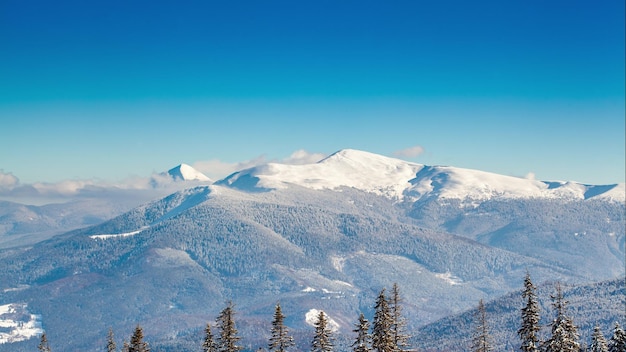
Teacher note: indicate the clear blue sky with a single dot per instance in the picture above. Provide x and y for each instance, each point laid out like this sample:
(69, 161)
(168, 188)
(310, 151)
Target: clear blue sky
(110, 89)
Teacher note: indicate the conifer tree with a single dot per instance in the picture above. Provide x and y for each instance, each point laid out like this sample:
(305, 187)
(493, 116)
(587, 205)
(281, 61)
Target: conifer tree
(530, 318)
(111, 347)
(44, 346)
(125, 346)
(363, 339)
(598, 342)
(617, 343)
(137, 344)
(208, 345)
(322, 340)
(228, 338)
(564, 333)
(482, 337)
(382, 326)
(398, 326)
(280, 340)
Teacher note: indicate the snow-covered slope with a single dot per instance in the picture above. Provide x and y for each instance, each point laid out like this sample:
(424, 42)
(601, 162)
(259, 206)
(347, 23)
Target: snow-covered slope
(399, 179)
(185, 172)
(346, 168)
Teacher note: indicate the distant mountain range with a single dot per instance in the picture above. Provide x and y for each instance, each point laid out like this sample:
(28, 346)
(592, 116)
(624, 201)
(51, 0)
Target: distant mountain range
(323, 236)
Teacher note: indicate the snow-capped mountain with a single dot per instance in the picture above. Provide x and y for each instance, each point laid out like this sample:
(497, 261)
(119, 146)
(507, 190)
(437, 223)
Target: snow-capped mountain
(398, 179)
(184, 172)
(324, 236)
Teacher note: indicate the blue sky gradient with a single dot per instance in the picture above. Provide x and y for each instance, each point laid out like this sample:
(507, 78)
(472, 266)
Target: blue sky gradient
(111, 89)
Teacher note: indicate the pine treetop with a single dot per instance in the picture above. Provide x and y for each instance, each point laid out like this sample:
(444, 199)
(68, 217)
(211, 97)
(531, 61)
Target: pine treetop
(598, 342)
(363, 339)
(280, 339)
(322, 340)
(228, 337)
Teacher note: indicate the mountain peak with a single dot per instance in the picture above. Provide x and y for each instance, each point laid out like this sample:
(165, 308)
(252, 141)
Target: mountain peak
(185, 172)
(346, 168)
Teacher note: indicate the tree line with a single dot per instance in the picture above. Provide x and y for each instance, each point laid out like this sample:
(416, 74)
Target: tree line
(387, 331)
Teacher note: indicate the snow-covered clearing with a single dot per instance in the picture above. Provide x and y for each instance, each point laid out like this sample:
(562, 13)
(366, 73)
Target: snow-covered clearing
(449, 278)
(17, 324)
(125, 234)
(311, 318)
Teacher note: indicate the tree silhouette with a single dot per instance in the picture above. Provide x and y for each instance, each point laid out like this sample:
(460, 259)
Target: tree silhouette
(598, 342)
(111, 346)
(228, 338)
(363, 339)
(564, 333)
(482, 339)
(322, 340)
(43, 344)
(382, 327)
(530, 318)
(280, 339)
(398, 326)
(137, 344)
(208, 345)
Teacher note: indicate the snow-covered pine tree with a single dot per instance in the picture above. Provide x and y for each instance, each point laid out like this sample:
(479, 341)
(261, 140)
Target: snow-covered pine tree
(137, 344)
(598, 342)
(617, 343)
(208, 344)
(44, 346)
(363, 339)
(228, 338)
(280, 340)
(482, 338)
(111, 346)
(529, 330)
(322, 340)
(125, 346)
(382, 333)
(564, 333)
(398, 326)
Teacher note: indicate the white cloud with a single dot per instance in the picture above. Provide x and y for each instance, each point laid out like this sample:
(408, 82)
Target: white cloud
(140, 189)
(411, 152)
(301, 156)
(134, 190)
(217, 169)
(8, 180)
(530, 176)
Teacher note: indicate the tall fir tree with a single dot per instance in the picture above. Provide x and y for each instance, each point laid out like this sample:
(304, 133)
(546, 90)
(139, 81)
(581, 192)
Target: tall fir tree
(208, 344)
(228, 337)
(280, 340)
(111, 346)
(482, 338)
(323, 339)
(598, 342)
(382, 326)
(529, 330)
(137, 344)
(398, 326)
(363, 339)
(617, 343)
(44, 346)
(564, 336)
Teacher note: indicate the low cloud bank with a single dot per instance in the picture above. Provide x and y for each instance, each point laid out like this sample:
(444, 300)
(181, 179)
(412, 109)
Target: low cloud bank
(133, 189)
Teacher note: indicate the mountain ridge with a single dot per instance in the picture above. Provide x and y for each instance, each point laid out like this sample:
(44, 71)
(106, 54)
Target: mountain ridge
(171, 263)
(397, 179)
